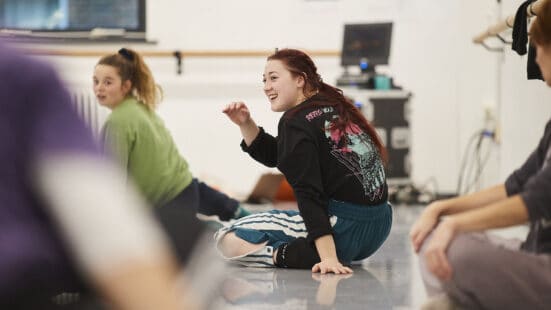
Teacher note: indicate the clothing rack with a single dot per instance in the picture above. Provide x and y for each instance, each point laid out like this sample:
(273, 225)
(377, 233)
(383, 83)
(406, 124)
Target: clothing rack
(495, 30)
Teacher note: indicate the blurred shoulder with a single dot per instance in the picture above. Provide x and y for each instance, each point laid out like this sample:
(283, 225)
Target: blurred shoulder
(24, 69)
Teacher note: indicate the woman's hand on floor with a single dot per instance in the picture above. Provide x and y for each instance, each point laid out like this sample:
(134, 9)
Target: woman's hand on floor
(331, 265)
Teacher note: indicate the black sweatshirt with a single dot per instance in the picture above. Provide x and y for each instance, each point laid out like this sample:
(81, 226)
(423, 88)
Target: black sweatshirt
(321, 164)
(533, 182)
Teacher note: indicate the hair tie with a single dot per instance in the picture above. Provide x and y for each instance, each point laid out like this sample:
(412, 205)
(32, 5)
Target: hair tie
(126, 54)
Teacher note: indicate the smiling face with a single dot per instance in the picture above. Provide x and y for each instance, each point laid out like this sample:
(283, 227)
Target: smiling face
(109, 89)
(282, 89)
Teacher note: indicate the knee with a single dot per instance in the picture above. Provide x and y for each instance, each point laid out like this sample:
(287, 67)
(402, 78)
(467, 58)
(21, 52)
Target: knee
(462, 257)
(229, 245)
(232, 246)
(463, 253)
(471, 263)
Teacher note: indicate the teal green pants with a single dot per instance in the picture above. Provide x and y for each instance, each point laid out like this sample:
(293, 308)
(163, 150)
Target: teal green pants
(358, 231)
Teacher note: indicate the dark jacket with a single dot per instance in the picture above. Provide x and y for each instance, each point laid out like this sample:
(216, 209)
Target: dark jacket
(533, 182)
(322, 164)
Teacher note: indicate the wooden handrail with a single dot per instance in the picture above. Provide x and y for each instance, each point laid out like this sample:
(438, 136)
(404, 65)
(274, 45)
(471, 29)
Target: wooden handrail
(506, 23)
(175, 53)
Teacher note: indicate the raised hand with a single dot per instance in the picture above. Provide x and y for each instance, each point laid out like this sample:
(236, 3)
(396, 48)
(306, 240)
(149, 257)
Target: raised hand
(238, 113)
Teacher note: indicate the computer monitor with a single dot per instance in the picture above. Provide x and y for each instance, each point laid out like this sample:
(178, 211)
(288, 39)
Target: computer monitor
(366, 43)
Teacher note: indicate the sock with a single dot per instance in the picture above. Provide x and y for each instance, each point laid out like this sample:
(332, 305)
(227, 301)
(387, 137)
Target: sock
(241, 212)
(281, 255)
(298, 254)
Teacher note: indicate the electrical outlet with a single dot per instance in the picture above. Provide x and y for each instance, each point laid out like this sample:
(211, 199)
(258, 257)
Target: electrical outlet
(489, 116)
(491, 123)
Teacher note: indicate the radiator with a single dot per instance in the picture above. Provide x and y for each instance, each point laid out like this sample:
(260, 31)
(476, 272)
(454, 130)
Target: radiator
(88, 109)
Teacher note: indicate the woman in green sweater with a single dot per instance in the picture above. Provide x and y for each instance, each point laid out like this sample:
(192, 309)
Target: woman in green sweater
(138, 138)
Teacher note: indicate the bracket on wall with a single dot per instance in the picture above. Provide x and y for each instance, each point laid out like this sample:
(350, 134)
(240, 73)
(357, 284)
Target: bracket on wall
(178, 56)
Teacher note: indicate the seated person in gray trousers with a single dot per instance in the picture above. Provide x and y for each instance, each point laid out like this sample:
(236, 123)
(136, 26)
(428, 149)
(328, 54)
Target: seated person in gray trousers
(475, 271)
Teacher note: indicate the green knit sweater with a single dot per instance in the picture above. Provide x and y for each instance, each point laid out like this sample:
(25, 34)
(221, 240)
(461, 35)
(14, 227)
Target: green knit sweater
(145, 148)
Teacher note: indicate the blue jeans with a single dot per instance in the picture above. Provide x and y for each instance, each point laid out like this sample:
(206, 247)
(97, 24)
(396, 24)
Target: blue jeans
(206, 200)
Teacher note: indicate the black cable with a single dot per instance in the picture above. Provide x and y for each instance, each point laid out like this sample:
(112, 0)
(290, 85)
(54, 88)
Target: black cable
(471, 163)
(482, 164)
(464, 161)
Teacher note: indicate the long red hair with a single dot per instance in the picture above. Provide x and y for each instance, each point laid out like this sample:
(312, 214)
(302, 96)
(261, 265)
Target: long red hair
(300, 64)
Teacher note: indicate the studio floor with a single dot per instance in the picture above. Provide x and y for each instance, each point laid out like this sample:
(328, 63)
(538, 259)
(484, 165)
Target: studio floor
(388, 280)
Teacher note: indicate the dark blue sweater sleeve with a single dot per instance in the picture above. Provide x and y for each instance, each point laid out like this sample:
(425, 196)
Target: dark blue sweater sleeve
(533, 180)
(537, 196)
(517, 180)
(263, 148)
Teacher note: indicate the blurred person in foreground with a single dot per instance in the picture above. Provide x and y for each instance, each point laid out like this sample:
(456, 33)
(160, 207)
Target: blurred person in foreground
(468, 270)
(67, 222)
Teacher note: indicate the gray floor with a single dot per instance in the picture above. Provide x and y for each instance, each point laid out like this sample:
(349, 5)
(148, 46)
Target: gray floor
(387, 280)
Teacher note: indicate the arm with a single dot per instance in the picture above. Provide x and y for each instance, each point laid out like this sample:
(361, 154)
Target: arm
(516, 182)
(116, 142)
(126, 258)
(105, 227)
(263, 149)
(464, 203)
(534, 194)
(504, 213)
(430, 216)
(257, 143)
(249, 131)
(299, 161)
(529, 199)
(260, 145)
(328, 256)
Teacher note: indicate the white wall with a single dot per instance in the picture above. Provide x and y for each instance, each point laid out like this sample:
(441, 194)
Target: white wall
(432, 56)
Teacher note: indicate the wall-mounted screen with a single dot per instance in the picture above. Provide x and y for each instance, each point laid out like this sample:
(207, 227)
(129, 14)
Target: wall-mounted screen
(121, 17)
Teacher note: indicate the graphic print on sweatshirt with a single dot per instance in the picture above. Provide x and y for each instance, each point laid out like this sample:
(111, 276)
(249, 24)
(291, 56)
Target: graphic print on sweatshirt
(356, 151)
